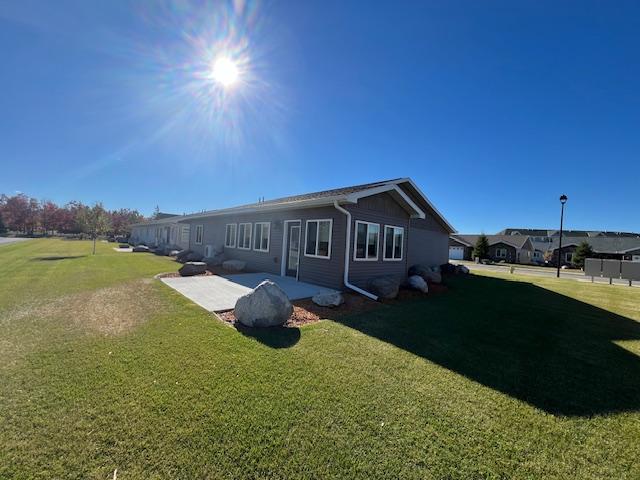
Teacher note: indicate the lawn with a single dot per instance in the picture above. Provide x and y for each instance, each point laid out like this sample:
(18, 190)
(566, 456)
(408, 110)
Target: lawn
(102, 367)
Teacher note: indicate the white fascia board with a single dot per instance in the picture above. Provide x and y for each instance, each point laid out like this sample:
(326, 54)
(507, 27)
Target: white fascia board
(424, 197)
(354, 197)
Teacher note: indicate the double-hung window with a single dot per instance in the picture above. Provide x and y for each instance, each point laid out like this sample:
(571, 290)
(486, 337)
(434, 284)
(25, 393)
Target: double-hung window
(366, 241)
(230, 235)
(393, 243)
(501, 252)
(199, 233)
(244, 236)
(318, 238)
(261, 236)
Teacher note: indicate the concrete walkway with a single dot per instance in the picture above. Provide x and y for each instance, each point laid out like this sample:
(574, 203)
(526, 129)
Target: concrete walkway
(9, 240)
(219, 293)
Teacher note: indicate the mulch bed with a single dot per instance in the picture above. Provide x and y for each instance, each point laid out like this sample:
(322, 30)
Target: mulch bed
(305, 311)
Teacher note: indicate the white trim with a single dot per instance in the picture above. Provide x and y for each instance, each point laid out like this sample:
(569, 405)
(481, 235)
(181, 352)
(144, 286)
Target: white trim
(243, 236)
(366, 244)
(393, 244)
(306, 231)
(195, 238)
(424, 197)
(354, 197)
(285, 253)
(255, 227)
(235, 235)
(501, 249)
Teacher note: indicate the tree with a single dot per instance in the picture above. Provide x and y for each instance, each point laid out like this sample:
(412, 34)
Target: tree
(3, 228)
(481, 248)
(94, 221)
(48, 214)
(582, 252)
(156, 212)
(15, 212)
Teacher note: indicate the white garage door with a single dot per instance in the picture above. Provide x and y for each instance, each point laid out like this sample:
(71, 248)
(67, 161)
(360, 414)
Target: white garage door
(456, 253)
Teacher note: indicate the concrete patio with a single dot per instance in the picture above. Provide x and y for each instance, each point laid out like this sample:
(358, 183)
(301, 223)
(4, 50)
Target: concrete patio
(219, 293)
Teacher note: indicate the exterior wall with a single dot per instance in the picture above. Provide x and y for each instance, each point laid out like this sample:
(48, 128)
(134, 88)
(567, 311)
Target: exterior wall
(632, 255)
(157, 234)
(383, 210)
(512, 254)
(428, 242)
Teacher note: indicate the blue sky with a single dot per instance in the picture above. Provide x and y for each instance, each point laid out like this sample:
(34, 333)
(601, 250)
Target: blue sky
(493, 108)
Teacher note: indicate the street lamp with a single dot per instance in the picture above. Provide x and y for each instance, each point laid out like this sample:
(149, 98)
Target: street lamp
(563, 200)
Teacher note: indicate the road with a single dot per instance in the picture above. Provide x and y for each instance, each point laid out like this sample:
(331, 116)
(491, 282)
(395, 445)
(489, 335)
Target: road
(8, 240)
(543, 272)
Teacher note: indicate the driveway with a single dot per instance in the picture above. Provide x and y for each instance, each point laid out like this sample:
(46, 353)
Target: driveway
(8, 240)
(219, 293)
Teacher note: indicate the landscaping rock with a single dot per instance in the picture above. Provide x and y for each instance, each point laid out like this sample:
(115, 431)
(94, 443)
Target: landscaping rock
(173, 253)
(462, 269)
(214, 261)
(330, 299)
(234, 265)
(192, 268)
(140, 248)
(426, 273)
(265, 306)
(385, 287)
(182, 254)
(191, 257)
(123, 245)
(448, 268)
(416, 282)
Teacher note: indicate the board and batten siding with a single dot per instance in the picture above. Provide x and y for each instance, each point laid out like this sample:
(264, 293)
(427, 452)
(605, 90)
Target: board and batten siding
(381, 209)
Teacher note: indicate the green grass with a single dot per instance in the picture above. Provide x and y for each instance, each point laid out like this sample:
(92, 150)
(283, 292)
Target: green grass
(501, 377)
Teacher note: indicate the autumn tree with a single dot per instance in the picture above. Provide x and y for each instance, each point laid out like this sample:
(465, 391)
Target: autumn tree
(94, 221)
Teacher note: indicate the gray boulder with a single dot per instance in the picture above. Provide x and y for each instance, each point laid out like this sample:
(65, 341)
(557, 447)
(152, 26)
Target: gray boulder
(265, 306)
(463, 269)
(214, 261)
(123, 245)
(191, 257)
(182, 254)
(416, 282)
(140, 248)
(426, 273)
(173, 253)
(234, 265)
(385, 287)
(330, 299)
(192, 268)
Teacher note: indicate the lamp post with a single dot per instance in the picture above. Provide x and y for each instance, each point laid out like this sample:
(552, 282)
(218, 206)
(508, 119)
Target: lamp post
(563, 200)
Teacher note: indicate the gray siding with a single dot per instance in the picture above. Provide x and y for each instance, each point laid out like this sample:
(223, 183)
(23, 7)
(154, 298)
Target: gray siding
(384, 210)
(428, 242)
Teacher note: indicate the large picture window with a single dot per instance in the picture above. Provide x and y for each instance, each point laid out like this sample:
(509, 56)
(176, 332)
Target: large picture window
(393, 243)
(366, 241)
(318, 238)
(244, 236)
(501, 252)
(199, 232)
(230, 235)
(261, 236)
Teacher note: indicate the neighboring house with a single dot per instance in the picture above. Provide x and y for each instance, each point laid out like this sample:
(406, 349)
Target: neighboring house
(617, 248)
(163, 231)
(506, 248)
(335, 238)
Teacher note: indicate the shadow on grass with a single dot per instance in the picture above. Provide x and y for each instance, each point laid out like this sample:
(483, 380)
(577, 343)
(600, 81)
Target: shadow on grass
(274, 337)
(546, 349)
(55, 258)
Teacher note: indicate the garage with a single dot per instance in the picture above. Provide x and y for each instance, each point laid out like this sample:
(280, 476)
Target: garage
(456, 253)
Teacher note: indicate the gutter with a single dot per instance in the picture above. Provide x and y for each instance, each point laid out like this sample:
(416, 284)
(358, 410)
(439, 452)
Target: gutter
(346, 255)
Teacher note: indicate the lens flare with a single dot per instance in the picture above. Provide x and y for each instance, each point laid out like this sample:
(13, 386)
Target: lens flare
(224, 71)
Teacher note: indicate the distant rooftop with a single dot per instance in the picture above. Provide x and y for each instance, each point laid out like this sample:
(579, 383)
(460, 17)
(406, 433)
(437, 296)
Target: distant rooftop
(537, 232)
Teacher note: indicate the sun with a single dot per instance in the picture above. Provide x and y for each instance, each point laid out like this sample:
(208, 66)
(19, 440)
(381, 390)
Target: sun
(224, 71)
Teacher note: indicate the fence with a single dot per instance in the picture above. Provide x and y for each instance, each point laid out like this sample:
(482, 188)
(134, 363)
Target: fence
(596, 267)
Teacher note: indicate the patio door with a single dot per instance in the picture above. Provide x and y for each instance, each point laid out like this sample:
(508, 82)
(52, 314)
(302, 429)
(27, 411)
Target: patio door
(293, 249)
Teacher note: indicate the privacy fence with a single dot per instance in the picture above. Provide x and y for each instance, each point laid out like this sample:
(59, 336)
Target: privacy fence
(596, 267)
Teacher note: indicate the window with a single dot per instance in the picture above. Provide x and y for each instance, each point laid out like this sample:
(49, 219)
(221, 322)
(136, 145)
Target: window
(230, 235)
(501, 252)
(393, 243)
(199, 233)
(568, 257)
(366, 241)
(244, 236)
(185, 234)
(261, 236)
(318, 238)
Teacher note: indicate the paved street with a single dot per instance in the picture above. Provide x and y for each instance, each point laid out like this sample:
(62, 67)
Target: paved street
(543, 272)
(8, 240)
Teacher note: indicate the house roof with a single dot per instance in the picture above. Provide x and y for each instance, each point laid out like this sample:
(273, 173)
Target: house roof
(516, 241)
(599, 244)
(535, 232)
(398, 188)
(162, 218)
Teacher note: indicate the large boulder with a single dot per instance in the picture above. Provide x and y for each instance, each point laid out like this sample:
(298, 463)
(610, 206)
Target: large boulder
(234, 265)
(328, 299)
(426, 273)
(385, 287)
(123, 245)
(463, 269)
(265, 306)
(214, 261)
(180, 256)
(191, 257)
(448, 268)
(416, 282)
(140, 248)
(192, 268)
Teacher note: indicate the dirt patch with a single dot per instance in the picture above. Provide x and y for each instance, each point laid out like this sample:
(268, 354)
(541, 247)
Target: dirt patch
(108, 311)
(305, 311)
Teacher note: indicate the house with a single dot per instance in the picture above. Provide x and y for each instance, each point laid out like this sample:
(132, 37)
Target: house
(163, 231)
(506, 248)
(335, 238)
(616, 248)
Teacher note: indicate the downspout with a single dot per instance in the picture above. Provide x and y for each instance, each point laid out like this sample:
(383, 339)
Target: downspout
(346, 255)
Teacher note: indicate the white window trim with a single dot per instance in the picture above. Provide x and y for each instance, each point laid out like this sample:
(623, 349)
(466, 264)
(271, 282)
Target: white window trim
(250, 236)
(195, 239)
(255, 226)
(384, 252)
(306, 233)
(355, 242)
(235, 236)
(501, 249)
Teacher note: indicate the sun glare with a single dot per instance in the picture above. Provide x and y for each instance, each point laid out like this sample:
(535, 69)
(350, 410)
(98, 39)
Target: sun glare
(224, 71)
